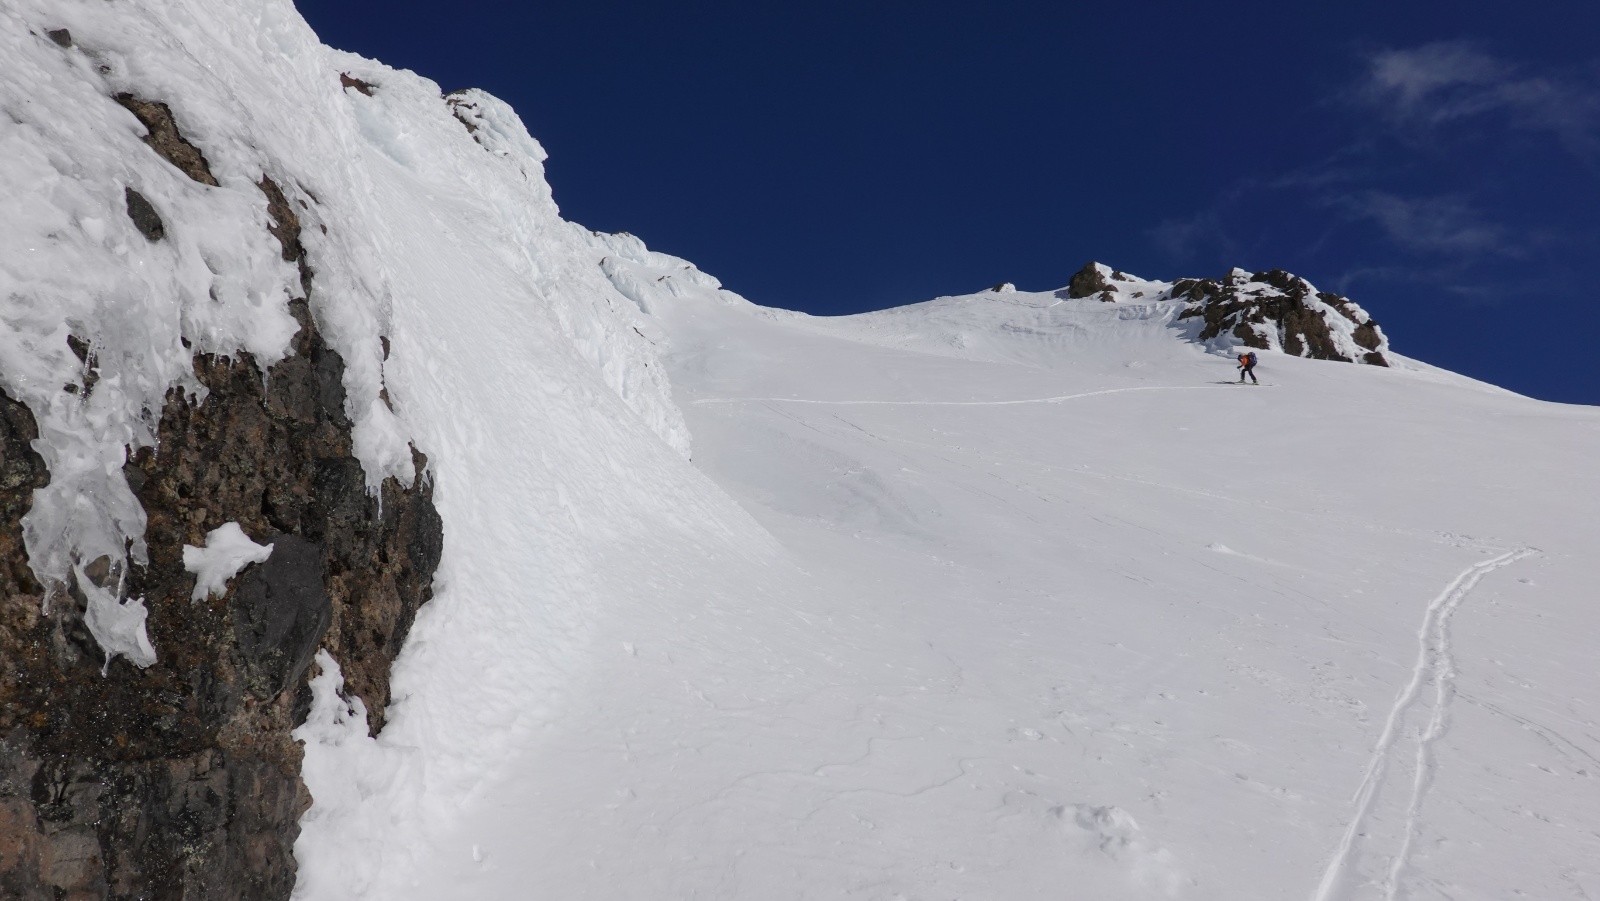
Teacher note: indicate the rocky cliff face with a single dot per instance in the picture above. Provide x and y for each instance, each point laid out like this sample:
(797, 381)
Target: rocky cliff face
(181, 780)
(1271, 310)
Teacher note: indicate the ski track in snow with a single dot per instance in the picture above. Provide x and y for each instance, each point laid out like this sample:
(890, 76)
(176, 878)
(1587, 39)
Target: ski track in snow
(947, 403)
(1435, 660)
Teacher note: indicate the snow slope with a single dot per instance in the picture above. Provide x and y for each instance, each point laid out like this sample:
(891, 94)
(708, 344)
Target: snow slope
(1000, 596)
(1059, 614)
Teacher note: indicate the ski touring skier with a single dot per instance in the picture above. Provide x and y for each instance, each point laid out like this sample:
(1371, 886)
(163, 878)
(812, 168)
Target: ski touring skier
(1247, 366)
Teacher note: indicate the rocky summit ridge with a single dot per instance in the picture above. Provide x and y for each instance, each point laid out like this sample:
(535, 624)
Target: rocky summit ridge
(1271, 310)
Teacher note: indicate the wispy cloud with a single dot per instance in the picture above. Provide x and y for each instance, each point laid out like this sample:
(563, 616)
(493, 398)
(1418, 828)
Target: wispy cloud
(1398, 190)
(1436, 85)
(1453, 278)
(1439, 225)
(1184, 238)
(1434, 82)
(1359, 274)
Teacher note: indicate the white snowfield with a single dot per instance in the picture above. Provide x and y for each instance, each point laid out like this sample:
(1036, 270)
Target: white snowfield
(1058, 613)
(995, 597)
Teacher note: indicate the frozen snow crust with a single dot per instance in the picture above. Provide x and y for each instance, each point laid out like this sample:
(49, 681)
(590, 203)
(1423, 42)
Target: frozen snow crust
(116, 267)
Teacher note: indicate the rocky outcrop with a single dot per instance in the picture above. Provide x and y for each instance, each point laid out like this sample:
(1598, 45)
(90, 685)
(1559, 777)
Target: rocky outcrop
(1093, 280)
(162, 136)
(181, 780)
(144, 216)
(1103, 283)
(350, 81)
(1279, 311)
(1271, 310)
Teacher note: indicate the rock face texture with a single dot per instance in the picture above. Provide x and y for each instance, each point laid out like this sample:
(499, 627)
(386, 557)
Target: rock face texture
(181, 780)
(1279, 311)
(1271, 310)
(1092, 280)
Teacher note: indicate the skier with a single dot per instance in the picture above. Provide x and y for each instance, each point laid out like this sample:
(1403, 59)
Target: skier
(1247, 366)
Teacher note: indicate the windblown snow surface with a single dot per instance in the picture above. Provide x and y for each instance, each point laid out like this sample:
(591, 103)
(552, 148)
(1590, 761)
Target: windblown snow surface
(999, 596)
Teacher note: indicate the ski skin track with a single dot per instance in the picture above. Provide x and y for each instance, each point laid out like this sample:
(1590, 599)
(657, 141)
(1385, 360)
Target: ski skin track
(1433, 655)
(946, 403)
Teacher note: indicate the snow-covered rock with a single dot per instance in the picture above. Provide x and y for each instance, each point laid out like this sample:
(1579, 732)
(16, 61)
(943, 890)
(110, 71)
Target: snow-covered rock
(1271, 310)
(210, 227)
(1275, 310)
(1101, 282)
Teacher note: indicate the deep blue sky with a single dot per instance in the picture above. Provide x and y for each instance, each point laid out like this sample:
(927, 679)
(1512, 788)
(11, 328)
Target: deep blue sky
(1438, 162)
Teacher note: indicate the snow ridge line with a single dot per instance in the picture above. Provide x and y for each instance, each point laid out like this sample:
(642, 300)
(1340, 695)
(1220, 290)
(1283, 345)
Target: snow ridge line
(1435, 657)
(947, 403)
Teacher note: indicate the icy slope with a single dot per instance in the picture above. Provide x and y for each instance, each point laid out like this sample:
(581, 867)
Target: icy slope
(1059, 615)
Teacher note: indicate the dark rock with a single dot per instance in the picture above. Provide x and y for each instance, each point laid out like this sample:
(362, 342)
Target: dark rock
(21, 471)
(1368, 336)
(79, 348)
(181, 780)
(350, 81)
(61, 36)
(464, 111)
(91, 369)
(164, 138)
(144, 216)
(425, 541)
(1285, 282)
(1342, 304)
(1285, 307)
(280, 615)
(284, 224)
(1087, 282)
(82, 351)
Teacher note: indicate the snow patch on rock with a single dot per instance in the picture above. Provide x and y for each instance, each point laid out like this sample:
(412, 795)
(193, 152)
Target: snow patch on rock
(227, 551)
(117, 623)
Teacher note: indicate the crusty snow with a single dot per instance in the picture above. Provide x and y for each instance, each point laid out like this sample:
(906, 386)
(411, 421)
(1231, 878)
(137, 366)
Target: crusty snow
(998, 596)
